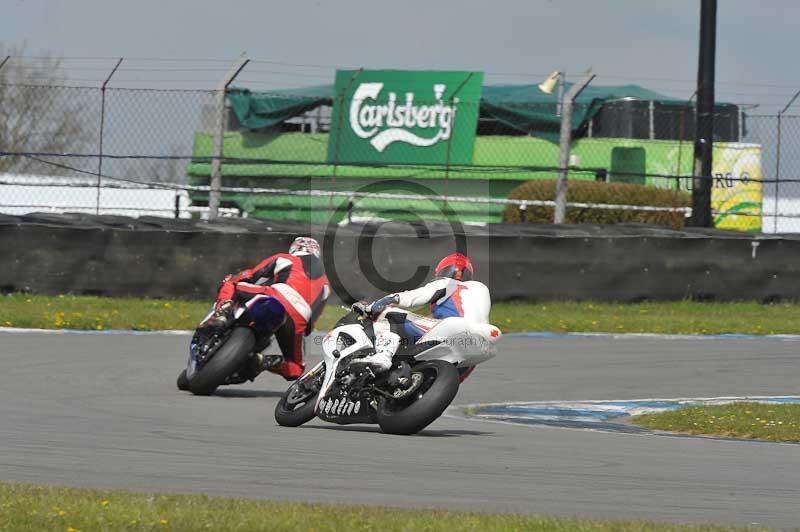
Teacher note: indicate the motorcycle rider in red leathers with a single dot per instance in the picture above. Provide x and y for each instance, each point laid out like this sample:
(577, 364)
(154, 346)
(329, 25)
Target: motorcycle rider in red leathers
(297, 279)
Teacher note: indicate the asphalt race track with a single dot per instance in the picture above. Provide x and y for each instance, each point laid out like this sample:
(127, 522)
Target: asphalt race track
(103, 411)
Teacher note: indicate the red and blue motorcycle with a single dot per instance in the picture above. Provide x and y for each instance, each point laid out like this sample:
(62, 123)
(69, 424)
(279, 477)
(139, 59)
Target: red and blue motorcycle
(230, 354)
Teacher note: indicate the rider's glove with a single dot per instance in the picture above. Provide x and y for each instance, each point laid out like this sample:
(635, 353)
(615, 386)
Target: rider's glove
(361, 308)
(376, 307)
(223, 307)
(222, 314)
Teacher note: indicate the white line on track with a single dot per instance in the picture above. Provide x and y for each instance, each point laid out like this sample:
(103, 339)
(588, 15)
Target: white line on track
(639, 399)
(167, 332)
(656, 336)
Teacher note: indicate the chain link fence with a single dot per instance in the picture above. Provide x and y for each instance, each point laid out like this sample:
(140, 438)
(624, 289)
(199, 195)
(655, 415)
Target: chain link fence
(88, 150)
(149, 152)
(779, 138)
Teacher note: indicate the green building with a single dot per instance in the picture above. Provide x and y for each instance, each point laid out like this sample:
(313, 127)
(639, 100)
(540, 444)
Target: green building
(295, 144)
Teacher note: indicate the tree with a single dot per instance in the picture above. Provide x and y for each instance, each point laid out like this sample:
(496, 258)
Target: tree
(38, 114)
(168, 170)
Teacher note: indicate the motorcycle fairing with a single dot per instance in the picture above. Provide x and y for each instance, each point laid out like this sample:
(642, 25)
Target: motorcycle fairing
(334, 351)
(336, 407)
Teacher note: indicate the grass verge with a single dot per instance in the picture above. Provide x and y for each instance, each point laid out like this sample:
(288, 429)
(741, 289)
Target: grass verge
(736, 420)
(682, 317)
(25, 508)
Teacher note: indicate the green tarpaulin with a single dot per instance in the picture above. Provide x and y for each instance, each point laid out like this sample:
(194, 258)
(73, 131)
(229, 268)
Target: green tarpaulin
(257, 110)
(528, 109)
(522, 107)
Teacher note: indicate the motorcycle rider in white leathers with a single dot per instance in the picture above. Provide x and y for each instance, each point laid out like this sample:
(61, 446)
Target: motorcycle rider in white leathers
(452, 294)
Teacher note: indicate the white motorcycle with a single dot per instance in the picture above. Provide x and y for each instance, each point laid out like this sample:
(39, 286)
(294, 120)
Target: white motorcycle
(422, 382)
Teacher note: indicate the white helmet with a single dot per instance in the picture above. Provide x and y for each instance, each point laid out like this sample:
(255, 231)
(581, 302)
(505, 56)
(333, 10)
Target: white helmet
(305, 245)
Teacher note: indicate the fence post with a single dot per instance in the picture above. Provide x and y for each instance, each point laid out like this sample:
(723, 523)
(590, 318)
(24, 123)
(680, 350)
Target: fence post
(564, 146)
(739, 125)
(777, 172)
(102, 129)
(562, 78)
(219, 135)
(4, 61)
(681, 131)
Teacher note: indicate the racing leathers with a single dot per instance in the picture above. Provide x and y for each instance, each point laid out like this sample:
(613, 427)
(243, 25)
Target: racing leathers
(447, 297)
(299, 283)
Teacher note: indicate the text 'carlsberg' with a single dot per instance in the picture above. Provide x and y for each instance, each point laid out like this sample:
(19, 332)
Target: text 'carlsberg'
(367, 118)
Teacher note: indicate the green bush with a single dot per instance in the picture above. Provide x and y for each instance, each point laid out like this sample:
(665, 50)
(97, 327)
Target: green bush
(598, 192)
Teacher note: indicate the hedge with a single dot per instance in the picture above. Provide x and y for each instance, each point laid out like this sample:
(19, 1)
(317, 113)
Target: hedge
(598, 192)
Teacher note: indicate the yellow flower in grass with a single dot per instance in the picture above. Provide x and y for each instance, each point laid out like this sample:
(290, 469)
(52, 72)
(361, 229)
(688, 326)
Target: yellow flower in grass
(164, 522)
(70, 529)
(104, 503)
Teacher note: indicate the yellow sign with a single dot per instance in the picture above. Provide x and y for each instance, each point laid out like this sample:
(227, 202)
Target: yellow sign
(735, 197)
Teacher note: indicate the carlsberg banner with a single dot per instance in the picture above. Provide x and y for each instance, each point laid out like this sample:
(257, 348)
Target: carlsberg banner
(403, 116)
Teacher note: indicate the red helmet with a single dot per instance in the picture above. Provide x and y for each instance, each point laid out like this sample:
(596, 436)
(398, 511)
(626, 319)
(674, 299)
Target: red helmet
(456, 266)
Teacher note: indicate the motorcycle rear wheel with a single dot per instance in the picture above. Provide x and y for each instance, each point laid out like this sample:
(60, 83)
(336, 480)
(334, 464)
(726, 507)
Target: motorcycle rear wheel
(183, 382)
(426, 404)
(225, 362)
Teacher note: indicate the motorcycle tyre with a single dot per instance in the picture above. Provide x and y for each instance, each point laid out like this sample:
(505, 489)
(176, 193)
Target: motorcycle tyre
(426, 409)
(183, 382)
(286, 417)
(234, 354)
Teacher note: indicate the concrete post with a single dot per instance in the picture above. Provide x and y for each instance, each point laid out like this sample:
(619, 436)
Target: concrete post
(219, 133)
(564, 145)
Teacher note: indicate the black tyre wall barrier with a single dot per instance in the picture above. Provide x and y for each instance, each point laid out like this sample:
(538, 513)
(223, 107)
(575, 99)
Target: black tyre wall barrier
(154, 257)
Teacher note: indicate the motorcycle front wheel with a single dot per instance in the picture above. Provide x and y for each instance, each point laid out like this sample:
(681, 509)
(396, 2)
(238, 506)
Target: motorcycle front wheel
(434, 388)
(296, 406)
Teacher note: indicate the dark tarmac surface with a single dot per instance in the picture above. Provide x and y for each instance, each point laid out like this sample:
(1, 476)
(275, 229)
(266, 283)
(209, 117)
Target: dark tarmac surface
(103, 411)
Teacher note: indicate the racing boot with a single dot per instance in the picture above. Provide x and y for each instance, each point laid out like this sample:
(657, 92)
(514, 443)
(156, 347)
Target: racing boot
(277, 364)
(386, 344)
(288, 369)
(263, 362)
